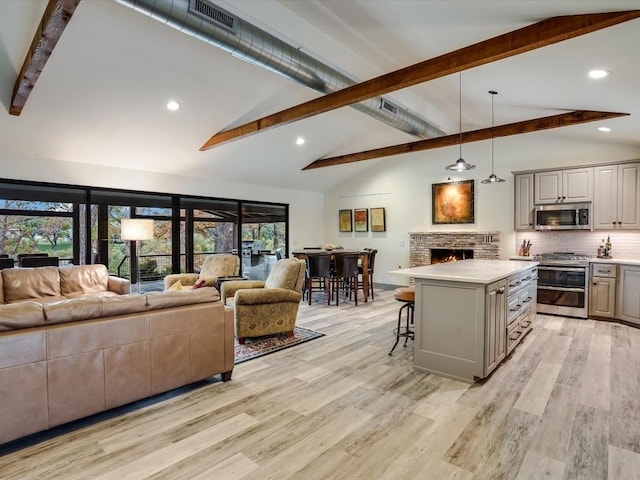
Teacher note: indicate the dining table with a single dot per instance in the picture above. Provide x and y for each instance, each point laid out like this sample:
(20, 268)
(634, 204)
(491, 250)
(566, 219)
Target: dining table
(364, 262)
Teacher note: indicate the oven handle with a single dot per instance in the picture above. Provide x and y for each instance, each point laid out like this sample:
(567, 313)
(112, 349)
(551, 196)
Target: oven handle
(561, 289)
(562, 269)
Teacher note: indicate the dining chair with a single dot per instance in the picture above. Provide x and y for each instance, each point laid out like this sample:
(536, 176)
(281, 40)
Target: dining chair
(318, 271)
(39, 261)
(371, 254)
(345, 276)
(6, 262)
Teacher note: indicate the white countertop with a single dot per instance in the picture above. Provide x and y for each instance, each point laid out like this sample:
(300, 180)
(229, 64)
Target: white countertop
(473, 271)
(623, 261)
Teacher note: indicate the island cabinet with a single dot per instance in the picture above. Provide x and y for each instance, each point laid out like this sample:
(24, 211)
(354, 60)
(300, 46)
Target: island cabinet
(564, 186)
(524, 201)
(628, 297)
(616, 196)
(462, 317)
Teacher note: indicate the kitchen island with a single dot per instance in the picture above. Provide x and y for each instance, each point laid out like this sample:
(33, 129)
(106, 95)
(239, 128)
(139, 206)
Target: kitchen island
(470, 314)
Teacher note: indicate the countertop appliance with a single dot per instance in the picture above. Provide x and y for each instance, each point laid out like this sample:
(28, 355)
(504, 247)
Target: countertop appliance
(563, 286)
(563, 216)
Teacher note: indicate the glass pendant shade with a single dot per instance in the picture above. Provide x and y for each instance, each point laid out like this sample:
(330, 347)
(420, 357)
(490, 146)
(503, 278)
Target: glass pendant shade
(460, 165)
(493, 178)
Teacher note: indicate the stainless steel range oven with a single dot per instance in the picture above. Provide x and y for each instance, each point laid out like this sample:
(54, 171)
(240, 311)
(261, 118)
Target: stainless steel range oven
(563, 287)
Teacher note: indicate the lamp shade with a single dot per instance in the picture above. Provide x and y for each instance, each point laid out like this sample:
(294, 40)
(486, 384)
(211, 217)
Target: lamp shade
(136, 229)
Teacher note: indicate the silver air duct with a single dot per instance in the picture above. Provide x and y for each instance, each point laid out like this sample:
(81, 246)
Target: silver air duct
(216, 26)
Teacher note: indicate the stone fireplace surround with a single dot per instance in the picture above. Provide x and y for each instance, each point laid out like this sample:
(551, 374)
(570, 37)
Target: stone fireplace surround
(485, 245)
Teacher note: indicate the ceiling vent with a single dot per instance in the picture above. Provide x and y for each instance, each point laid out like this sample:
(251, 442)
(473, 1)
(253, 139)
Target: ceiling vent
(213, 14)
(206, 21)
(388, 106)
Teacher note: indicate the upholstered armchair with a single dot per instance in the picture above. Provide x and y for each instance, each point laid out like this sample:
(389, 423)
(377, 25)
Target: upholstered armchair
(214, 266)
(266, 307)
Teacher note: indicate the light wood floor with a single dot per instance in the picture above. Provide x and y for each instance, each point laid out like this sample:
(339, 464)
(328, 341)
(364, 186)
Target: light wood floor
(566, 405)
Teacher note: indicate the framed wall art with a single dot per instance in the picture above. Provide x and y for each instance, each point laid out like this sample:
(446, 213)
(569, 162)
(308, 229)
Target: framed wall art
(378, 220)
(452, 202)
(361, 219)
(344, 220)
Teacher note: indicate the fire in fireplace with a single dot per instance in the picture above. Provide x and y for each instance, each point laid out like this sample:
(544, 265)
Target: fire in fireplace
(444, 255)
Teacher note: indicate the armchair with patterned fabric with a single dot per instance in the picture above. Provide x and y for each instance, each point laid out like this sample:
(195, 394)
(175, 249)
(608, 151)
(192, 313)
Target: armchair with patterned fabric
(214, 266)
(266, 307)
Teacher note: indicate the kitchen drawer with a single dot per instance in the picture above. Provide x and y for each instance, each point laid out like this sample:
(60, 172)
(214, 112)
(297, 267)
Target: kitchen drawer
(514, 284)
(517, 330)
(603, 270)
(525, 323)
(526, 297)
(514, 334)
(514, 308)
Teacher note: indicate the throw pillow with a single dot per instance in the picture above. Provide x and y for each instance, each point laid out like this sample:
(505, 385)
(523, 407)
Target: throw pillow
(176, 286)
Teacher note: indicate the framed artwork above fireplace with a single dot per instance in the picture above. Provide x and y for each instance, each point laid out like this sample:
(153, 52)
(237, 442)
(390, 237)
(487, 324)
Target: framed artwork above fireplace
(452, 203)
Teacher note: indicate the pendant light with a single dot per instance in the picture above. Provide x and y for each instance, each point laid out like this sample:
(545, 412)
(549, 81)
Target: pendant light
(460, 165)
(492, 178)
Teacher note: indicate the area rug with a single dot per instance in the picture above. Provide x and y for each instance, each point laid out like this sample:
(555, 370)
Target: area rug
(260, 346)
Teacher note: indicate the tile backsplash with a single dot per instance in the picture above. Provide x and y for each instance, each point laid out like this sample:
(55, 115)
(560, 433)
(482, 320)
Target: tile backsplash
(623, 244)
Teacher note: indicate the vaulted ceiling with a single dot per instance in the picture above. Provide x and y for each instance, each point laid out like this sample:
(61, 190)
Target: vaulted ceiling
(101, 97)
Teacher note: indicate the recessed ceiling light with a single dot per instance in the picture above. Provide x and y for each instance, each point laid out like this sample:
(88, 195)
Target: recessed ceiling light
(173, 105)
(604, 129)
(599, 73)
(300, 141)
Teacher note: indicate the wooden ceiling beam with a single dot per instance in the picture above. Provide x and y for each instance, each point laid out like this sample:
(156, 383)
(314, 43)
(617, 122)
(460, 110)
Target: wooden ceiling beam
(517, 128)
(546, 32)
(54, 20)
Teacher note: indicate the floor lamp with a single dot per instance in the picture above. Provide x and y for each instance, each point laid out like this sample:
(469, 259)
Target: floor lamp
(136, 230)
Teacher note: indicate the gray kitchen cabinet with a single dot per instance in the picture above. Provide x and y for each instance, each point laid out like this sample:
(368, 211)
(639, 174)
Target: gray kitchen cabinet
(628, 294)
(616, 196)
(602, 291)
(495, 341)
(524, 201)
(564, 186)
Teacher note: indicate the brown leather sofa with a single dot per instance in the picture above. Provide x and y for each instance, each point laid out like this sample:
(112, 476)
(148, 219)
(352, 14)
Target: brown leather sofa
(76, 349)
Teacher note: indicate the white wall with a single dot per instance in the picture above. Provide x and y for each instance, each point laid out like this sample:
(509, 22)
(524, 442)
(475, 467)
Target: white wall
(402, 184)
(306, 209)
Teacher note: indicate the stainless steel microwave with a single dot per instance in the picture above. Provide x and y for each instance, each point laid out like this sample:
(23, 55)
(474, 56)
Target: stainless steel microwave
(563, 216)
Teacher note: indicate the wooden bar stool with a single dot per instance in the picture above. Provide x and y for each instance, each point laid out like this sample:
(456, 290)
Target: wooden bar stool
(406, 295)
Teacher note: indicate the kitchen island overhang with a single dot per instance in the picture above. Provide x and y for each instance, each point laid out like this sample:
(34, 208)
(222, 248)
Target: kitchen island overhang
(470, 314)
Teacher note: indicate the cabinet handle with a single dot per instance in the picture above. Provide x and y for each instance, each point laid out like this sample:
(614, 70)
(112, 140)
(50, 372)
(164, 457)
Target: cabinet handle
(511, 337)
(526, 300)
(605, 271)
(500, 291)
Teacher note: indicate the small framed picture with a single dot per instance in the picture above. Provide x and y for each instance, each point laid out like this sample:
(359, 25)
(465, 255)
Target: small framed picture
(378, 220)
(344, 220)
(361, 219)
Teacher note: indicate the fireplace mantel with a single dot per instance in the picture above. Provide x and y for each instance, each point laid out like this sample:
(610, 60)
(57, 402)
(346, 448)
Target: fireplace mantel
(485, 245)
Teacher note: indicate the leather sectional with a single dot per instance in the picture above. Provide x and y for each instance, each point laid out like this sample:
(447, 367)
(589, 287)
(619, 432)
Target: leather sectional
(73, 343)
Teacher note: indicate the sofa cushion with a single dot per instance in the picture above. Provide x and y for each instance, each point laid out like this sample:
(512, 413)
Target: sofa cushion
(73, 310)
(83, 279)
(175, 298)
(30, 283)
(21, 315)
(123, 304)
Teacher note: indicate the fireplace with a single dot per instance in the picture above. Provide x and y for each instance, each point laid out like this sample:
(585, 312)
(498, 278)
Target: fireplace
(444, 255)
(424, 246)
